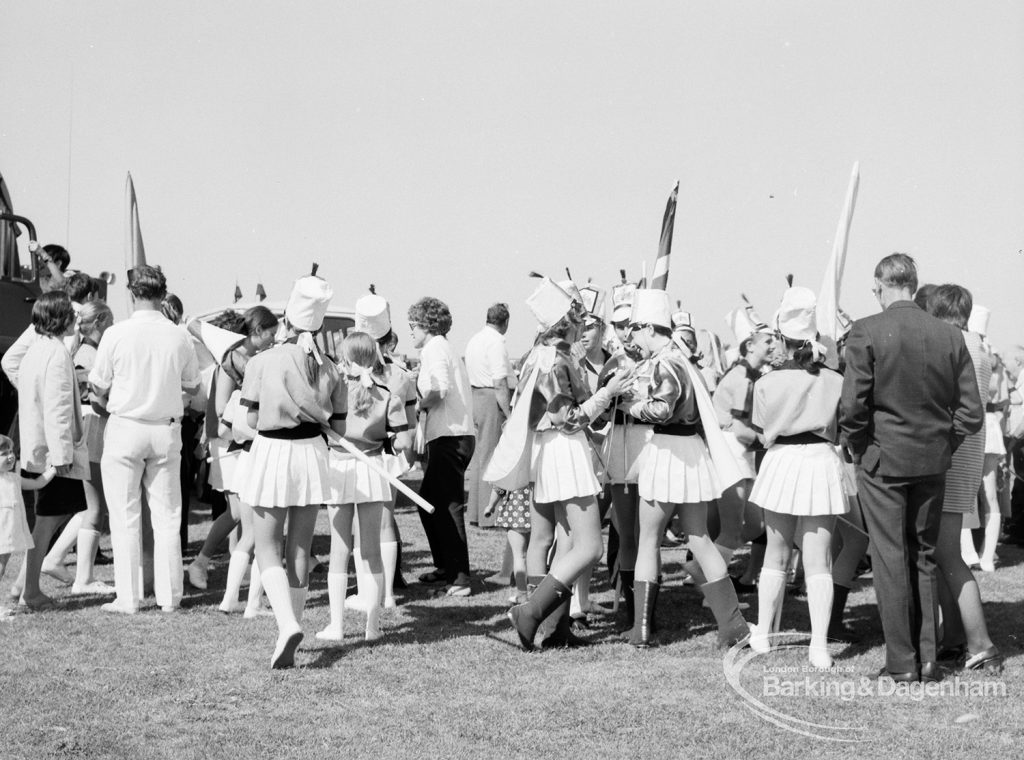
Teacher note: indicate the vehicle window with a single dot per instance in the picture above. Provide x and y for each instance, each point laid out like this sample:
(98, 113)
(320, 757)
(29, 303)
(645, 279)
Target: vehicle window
(333, 333)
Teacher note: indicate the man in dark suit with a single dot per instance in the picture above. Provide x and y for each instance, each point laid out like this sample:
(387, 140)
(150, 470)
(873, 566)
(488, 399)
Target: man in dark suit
(909, 398)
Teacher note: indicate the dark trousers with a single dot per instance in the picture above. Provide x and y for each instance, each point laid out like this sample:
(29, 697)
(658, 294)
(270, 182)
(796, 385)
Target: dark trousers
(189, 430)
(902, 519)
(443, 486)
(1015, 526)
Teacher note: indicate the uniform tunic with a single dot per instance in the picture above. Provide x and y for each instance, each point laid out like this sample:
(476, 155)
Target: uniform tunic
(733, 400)
(796, 413)
(626, 436)
(674, 466)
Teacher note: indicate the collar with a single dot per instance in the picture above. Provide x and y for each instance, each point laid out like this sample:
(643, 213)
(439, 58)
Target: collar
(148, 315)
(902, 304)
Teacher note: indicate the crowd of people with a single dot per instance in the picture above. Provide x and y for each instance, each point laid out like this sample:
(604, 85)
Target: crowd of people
(900, 436)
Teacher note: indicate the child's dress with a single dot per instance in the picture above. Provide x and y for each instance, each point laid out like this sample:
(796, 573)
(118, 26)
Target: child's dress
(513, 510)
(14, 533)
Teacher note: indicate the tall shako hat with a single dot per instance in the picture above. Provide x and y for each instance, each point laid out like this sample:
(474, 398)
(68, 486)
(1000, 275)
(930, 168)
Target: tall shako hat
(593, 303)
(308, 302)
(651, 307)
(744, 321)
(796, 318)
(978, 321)
(682, 320)
(549, 302)
(373, 315)
(622, 298)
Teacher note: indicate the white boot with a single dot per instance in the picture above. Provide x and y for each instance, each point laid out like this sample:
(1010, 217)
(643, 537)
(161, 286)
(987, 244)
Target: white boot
(236, 570)
(360, 600)
(336, 585)
(819, 603)
(967, 550)
(254, 604)
(289, 632)
(374, 581)
(770, 589)
(84, 583)
(389, 555)
(993, 522)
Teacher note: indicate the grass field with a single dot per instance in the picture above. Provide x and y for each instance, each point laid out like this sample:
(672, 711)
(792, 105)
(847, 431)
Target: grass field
(447, 681)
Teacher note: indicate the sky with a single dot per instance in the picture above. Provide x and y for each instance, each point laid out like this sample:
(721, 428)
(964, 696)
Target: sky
(449, 148)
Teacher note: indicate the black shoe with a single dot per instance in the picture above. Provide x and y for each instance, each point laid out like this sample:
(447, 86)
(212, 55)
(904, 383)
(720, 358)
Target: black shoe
(988, 660)
(564, 640)
(952, 654)
(434, 577)
(911, 677)
(931, 672)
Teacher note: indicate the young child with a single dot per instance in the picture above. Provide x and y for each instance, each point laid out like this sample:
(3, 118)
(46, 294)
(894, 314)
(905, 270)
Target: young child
(513, 508)
(374, 413)
(14, 533)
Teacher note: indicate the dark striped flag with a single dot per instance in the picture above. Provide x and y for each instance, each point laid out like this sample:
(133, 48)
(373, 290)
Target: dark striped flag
(659, 280)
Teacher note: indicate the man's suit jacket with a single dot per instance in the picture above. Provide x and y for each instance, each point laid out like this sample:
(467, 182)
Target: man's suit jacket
(909, 393)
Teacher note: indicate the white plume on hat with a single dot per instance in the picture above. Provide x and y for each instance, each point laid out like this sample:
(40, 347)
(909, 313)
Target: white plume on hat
(978, 321)
(796, 317)
(652, 307)
(549, 303)
(308, 303)
(373, 316)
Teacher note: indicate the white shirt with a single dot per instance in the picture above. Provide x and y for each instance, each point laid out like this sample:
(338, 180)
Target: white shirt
(145, 361)
(487, 358)
(440, 371)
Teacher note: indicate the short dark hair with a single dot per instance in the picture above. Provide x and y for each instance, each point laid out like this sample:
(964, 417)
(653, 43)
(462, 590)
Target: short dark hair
(79, 286)
(259, 318)
(923, 294)
(52, 314)
(172, 308)
(432, 314)
(58, 255)
(497, 314)
(951, 303)
(897, 270)
(147, 283)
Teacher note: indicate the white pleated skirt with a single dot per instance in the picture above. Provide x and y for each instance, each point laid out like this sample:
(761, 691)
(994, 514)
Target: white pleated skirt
(280, 473)
(621, 449)
(562, 467)
(801, 479)
(994, 434)
(676, 469)
(352, 482)
(744, 457)
(223, 464)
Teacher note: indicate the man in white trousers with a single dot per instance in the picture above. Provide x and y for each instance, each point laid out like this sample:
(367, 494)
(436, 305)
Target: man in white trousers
(142, 366)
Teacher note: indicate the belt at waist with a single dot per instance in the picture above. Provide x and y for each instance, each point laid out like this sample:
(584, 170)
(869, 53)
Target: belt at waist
(162, 421)
(482, 387)
(799, 439)
(236, 446)
(991, 407)
(299, 432)
(678, 428)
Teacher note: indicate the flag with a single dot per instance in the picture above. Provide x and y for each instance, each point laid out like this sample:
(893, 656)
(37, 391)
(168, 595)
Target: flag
(659, 280)
(261, 292)
(134, 251)
(10, 264)
(827, 311)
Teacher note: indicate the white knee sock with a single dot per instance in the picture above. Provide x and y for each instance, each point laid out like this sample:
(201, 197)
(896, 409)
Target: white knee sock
(236, 571)
(275, 583)
(374, 582)
(336, 585)
(819, 603)
(993, 522)
(87, 541)
(389, 555)
(770, 588)
(254, 603)
(967, 550)
(360, 601)
(298, 595)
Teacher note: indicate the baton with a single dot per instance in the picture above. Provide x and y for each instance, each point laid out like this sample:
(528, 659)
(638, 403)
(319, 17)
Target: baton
(338, 441)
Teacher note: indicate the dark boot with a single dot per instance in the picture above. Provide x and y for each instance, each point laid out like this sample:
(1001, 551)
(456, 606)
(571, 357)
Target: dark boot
(562, 636)
(626, 576)
(836, 629)
(547, 625)
(526, 618)
(646, 599)
(721, 596)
